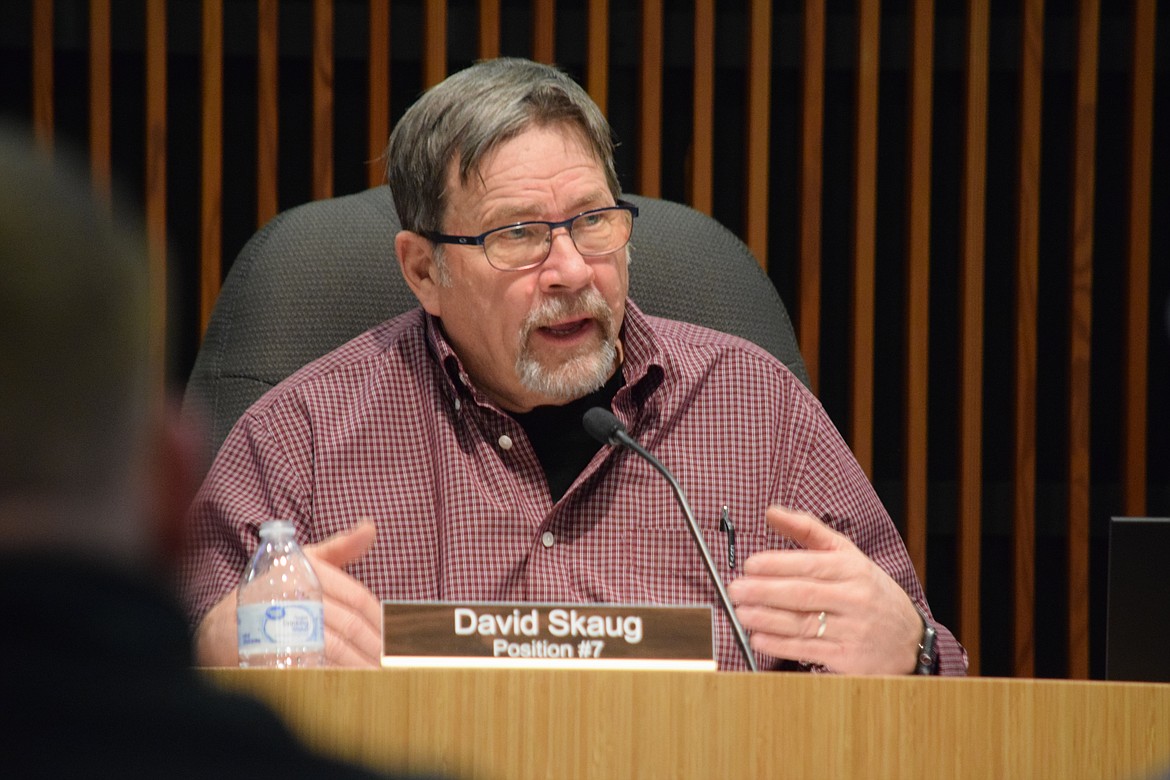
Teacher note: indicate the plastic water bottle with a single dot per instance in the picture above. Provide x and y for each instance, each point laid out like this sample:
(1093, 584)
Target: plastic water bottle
(279, 611)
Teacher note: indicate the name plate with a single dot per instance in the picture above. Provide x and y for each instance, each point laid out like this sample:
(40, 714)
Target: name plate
(490, 634)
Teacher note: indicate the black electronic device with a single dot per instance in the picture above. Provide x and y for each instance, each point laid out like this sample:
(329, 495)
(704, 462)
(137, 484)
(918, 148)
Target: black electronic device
(1137, 636)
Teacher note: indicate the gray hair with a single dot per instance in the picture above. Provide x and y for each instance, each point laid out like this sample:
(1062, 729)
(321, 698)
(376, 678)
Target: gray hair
(471, 113)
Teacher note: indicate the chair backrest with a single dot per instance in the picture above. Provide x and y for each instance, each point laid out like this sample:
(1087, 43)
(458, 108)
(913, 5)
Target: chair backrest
(321, 273)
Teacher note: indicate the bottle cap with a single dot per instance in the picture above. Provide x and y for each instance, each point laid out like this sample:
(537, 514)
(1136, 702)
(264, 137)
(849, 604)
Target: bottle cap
(276, 529)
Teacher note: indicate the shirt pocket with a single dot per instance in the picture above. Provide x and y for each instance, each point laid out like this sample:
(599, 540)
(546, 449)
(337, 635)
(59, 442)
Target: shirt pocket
(665, 566)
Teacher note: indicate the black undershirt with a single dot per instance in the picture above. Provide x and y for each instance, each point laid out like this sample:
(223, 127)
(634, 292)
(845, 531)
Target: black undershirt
(562, 446)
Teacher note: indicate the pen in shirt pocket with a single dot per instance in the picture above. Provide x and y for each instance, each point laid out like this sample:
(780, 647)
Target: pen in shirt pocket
(726, 527)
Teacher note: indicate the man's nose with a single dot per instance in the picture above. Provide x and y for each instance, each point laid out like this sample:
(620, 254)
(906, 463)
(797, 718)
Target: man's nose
(566, 268)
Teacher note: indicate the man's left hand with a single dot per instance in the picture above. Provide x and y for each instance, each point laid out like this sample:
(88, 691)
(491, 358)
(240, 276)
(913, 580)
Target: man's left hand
(869, 625)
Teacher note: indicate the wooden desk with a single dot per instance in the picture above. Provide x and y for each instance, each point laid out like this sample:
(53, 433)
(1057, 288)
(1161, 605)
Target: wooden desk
(572, 724)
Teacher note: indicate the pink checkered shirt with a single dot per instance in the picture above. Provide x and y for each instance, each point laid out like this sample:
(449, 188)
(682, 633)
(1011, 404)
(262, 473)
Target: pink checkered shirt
(389, 427)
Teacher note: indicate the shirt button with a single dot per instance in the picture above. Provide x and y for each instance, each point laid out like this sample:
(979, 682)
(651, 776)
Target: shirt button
(505, 442)
(458, 404)
(548, 539)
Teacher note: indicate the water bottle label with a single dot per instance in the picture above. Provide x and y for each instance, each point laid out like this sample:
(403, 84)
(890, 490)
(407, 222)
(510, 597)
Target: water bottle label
(266, 627)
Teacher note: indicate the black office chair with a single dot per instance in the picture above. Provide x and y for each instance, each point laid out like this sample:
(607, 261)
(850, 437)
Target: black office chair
(321, 273)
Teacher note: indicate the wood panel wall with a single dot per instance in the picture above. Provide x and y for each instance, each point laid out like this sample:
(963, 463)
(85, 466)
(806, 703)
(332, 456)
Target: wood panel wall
(738, 67)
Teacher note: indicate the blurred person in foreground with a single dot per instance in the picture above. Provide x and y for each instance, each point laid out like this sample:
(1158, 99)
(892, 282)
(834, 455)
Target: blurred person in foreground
(95, 477)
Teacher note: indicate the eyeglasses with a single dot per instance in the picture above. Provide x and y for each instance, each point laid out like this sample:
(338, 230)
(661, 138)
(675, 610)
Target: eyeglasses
(526, 245)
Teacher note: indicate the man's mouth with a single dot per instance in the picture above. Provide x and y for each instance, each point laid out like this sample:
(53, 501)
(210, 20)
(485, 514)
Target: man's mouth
(566, 329)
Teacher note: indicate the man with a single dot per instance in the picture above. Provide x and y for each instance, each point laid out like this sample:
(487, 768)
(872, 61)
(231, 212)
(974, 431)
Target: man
(441, 455)
(94, 486)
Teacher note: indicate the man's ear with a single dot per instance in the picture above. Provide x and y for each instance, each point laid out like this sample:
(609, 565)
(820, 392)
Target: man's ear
(416, 256)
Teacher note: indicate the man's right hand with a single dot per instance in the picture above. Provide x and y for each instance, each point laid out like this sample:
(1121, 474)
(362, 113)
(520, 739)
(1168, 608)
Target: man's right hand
(353, 616)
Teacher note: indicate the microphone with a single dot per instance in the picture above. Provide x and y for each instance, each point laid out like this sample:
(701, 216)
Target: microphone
(607, 429)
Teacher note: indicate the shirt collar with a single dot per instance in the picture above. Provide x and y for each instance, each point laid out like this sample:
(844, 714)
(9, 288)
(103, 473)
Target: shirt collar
(645, 358)
(456, 379)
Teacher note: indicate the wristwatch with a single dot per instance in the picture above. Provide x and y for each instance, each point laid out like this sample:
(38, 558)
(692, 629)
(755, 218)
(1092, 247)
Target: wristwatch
(927, 646)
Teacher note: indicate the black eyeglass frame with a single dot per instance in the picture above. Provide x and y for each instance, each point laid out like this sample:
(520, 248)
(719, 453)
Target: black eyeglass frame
(567, 224)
